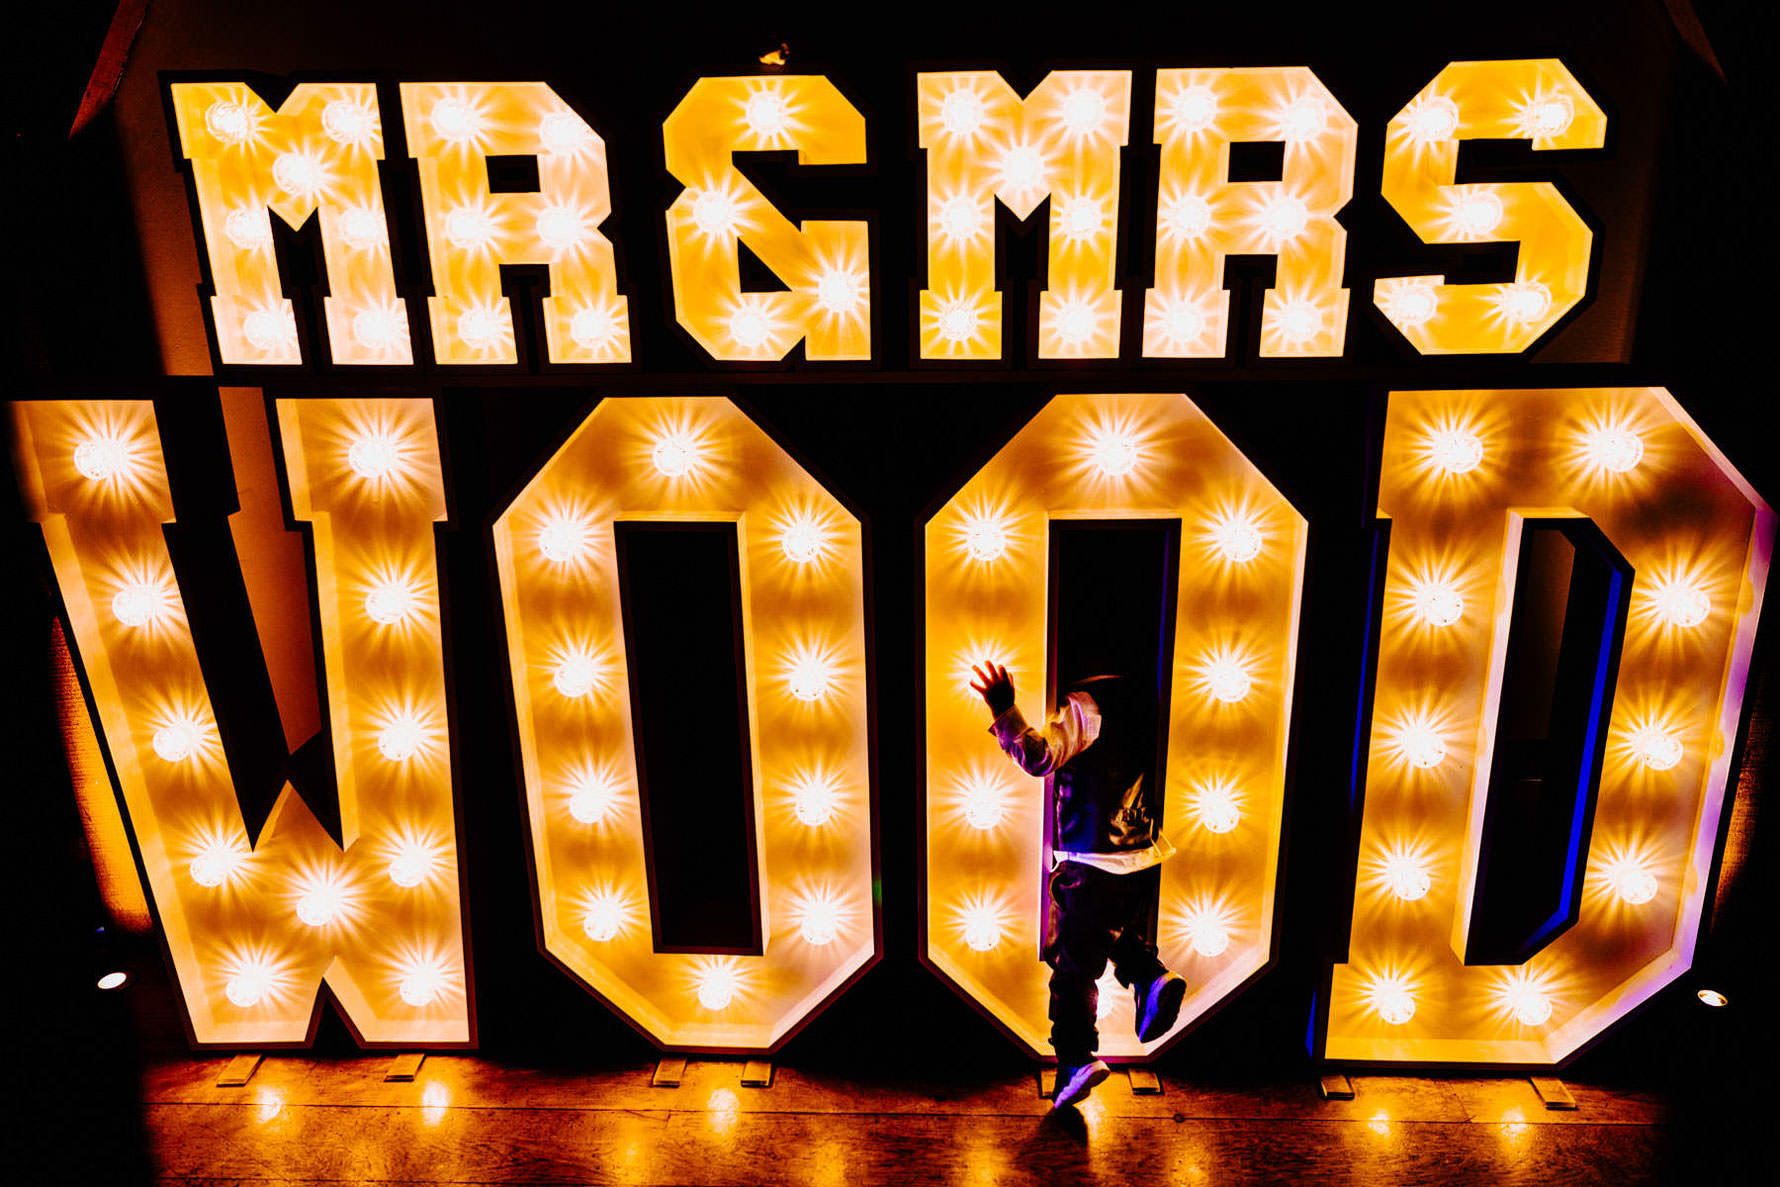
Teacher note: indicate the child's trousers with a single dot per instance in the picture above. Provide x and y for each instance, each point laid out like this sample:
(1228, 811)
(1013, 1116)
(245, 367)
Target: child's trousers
(1093, 916)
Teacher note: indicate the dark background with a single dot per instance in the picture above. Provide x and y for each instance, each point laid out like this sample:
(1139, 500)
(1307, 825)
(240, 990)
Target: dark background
(1679, 301)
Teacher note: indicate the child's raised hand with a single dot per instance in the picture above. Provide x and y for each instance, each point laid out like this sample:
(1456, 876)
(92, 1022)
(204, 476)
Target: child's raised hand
(994, 685)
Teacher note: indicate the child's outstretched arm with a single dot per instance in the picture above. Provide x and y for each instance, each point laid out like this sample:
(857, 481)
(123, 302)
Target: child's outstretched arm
(1071, 731)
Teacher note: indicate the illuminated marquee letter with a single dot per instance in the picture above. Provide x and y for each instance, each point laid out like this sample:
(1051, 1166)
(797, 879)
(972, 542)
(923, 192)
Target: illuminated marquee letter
(1528, 100)
(825, 263)
(453, 128)
(1202, 217)
(255, 927)
(1462, 473)
(803, 622)
(984, 143)
(319, 151)
(1241, 567)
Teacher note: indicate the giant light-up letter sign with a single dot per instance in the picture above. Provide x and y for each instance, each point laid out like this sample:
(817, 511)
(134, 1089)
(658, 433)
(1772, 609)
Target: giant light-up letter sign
(825, 263)
(255, 927)
(1462, 472)
(985, 143)
(1202, 217)
(319, 151)
(453, 128)
(1236, 629)
(803, 619)
(1518, 100)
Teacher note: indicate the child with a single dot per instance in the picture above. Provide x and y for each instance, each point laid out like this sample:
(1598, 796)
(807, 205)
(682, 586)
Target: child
(1099, 754)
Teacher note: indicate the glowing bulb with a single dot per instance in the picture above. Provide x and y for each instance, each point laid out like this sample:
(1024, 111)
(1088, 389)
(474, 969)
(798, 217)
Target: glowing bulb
(359, 227)
(391, 601)
(1712, 997)
(1547, 116)
(113, 980)
(1680, 604)
(1391, 1000)
(1187, 217)
(1457, 451)
(479, 328)
(605, 917)
(178, 741)
(1477, 213)
(820, 922)
(838, 291)
(268, 329)
(716, 987)
(982, 926)
(1530, 1005)
(1434, 118)
(103, 457)
(593, 329)
(1083, 110)
(1076, 322)
(215, 863)
(1182, 322)
(1193, 109)
(675, 454)
(1022, 168)
(298, 173)
(561, 226)
(576, 674)
(377, 328)
(1303, 120)
(984, 804)
(1227, 679)
(802, 541)
(1437, 603)
(1615, 449)
(346, 122)
(231, 123)
(592, 798)
(985, 538)
(958, 321)
(1630, 880)
(749, 327)
(140, 603)
(412, 864)
(401, 739)
(1407, 876)
(714, 213)
(249, 230)
(1525, 301)
(374, 455)
(1300, 321)
(562, 133)
(453, 119)
(469, 227)
(250, 984)
(1209, 935)
(1415, 305)
(1659, 748)
(1237, 539)
(421, 983)
(959, 218)
(565, 538)
(321, 903)
(810, 677)
(961, 113)
(766, 113)
(1115, 453)
(814, 801)
(1284, 217)
(1215, 808)
(1421, 745)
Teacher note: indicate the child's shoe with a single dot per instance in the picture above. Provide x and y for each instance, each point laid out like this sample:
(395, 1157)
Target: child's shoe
(1075, 1081)
(1158, 1005)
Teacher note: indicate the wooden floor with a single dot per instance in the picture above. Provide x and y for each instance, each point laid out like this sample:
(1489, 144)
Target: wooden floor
(468, 1120)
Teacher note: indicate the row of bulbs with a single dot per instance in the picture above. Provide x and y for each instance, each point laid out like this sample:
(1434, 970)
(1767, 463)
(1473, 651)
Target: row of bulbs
(985, 924)
(1392, 998)
(1409, 877)
(1614, 448)
(253, 980)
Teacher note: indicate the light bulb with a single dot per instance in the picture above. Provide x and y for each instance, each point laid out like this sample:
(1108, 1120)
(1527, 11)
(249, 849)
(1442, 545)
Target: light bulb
(250, 984)
(985, 538)
(1434, 118)
(1115, 453)
(1437, 603)
(575, 674)
(1022, 168)
(102, 457)
(140, 603)
(749, 327)
(249, 230)
(1083, 110)
(766, 113)
(961, 113)
(298, 173)
(469, 227)
(1681, 604)
(1215, 807)
(1415, 305)
(1421, 746)
(479, 328)
(359, 227)
(321, 903)
(1530, 1005)
(401, 739)
(675, 454)
(1300, 321)
(412, 864)
(1525, 301)
(810, 677)
(421, 983)
(374, 455)
(231, 123)
(958, 321)
(454, 120)
(346, 122)
(391, 601)
(959, 218)
(1456, 451)
(1477, 213)
(1076, 322)
(1284, 217)
(1210, 936)
(1395, 1006)
(268, 329)
(1407, 876)
(1304, 120)
(1615, 449)
(837, 291)
(985, 805)
(561, 226)
(215, 863)
(803, 540)
(563, 133)
(814, 801)
(178, 741)
(1630, 880)
(376, 328)
(1182, 322)
(982, 926)
(1236, 538)
(1187, 217)
(1659, 748)
(714, 213)
(592, 798)
(1713, 998)
(1548, 115)
(1193, 109)
(820, 922)
(114, 980)
(605, 917)
(1227, 679)
(565, 538)
(716, 987)
(593, 329)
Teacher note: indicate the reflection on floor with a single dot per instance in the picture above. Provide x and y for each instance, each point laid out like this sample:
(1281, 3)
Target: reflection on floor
(469, 1120)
